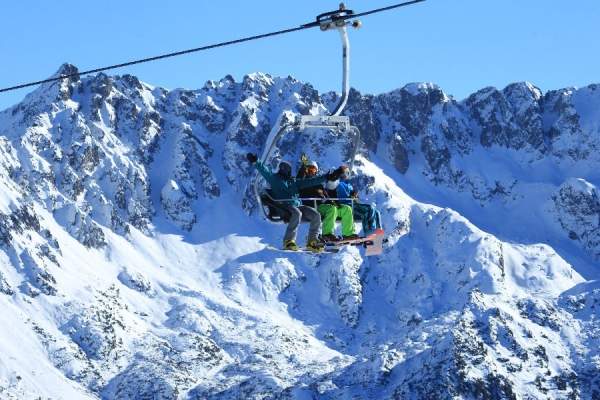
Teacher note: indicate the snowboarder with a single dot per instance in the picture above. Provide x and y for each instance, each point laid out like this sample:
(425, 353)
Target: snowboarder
(370, 217)
(329, 210)
(286, 188)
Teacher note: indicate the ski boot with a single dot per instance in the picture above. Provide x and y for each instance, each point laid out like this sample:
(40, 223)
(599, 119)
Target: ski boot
(329, 238)
(315, 246)
(290, 245)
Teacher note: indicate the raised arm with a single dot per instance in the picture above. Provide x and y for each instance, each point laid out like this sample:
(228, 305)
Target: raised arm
(264, 171)
(310, 182)
(330, 176)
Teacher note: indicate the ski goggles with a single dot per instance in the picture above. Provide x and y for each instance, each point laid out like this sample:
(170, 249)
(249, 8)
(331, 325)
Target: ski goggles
(311, 169)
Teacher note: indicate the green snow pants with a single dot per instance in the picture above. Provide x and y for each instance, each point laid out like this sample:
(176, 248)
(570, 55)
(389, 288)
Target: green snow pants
(331, 212)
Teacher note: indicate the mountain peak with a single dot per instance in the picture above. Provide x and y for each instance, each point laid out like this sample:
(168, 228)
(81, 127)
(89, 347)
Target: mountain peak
(67, 69)
(524, 89)
(416, 88)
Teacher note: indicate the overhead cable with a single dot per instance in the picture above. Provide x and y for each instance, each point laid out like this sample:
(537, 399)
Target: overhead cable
(203, 48)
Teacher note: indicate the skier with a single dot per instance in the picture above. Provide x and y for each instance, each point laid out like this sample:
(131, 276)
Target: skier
(285, 187)
(329, 210)
(370, 217)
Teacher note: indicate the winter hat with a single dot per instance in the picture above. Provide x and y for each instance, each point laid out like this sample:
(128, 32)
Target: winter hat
(313, 164)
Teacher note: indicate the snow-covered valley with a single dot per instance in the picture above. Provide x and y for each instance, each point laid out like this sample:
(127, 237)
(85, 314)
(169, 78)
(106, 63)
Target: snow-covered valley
(135, 265)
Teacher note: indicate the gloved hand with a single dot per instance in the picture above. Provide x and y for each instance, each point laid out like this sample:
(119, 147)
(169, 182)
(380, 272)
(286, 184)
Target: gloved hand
(304, 159)
(251, 157)
(335, 175)
(354, 194)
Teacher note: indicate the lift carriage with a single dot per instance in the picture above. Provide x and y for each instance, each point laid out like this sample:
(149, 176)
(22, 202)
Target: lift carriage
(303, 126)
(306, 125)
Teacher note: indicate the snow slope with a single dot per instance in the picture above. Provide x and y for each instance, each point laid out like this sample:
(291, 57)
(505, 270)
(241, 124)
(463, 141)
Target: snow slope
(134, 264)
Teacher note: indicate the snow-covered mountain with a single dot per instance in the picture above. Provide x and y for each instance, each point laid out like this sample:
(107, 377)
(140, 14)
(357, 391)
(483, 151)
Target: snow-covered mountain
(134, 264)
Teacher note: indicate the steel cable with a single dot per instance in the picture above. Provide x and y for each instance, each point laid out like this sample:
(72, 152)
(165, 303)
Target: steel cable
(203, 48)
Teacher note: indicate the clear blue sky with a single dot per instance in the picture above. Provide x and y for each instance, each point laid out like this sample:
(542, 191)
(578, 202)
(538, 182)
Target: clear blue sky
(462, 45)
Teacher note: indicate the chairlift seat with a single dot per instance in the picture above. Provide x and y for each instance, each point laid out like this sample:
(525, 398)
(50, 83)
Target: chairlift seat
(275, 211)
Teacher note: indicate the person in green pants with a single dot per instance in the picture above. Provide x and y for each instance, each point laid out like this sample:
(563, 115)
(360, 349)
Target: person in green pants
(330, 210)
(330, 213)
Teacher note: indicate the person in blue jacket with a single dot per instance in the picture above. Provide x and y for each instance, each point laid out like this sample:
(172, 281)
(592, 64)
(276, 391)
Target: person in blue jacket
(370, 217)
(286, 188)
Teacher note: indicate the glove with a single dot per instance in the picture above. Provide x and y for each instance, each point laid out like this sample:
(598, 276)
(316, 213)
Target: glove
(251, 157)
(335, 175)
(354, 194)
(304, 159)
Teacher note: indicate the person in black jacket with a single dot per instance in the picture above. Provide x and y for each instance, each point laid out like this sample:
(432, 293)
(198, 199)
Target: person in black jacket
(330, 210)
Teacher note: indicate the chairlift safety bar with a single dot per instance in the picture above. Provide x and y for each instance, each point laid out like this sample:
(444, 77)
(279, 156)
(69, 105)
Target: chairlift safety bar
(323, 121)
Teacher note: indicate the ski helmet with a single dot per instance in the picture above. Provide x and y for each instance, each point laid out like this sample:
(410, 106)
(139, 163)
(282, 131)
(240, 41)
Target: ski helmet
(284, 169)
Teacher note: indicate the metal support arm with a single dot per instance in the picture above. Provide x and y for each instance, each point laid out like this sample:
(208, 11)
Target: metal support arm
(346, 71)
(338, 20)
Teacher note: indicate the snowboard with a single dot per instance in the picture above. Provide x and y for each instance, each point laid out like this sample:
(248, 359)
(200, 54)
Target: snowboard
(376, 248)
(373, 243)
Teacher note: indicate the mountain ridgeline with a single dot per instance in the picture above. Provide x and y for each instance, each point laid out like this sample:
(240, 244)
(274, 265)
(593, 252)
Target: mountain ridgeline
(134, 263)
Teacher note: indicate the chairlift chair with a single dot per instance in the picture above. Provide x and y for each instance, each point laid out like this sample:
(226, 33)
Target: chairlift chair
(308, 124)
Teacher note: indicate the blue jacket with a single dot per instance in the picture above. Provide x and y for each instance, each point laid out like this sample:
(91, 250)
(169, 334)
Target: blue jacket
(344, 190)
(287, 188)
